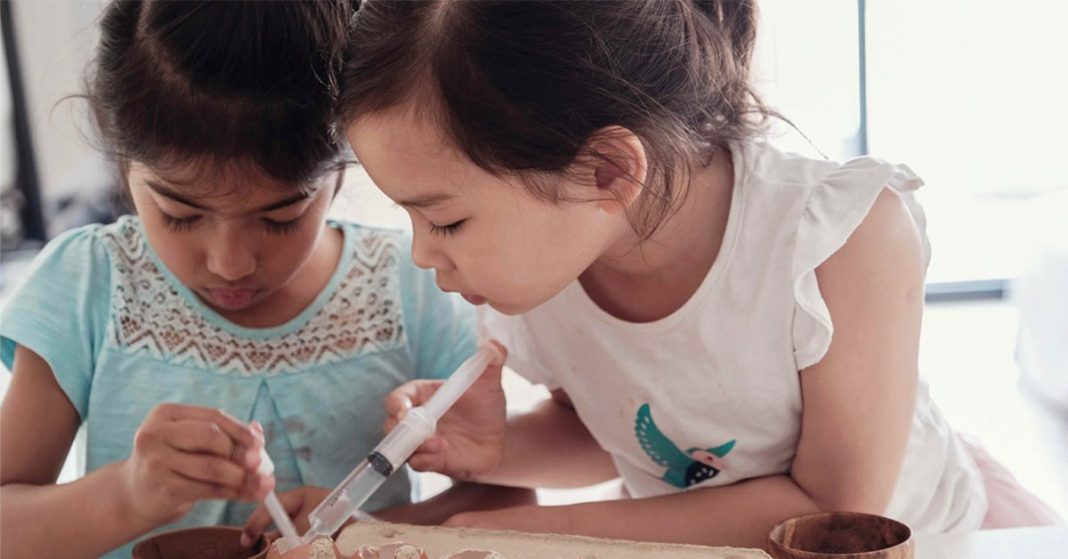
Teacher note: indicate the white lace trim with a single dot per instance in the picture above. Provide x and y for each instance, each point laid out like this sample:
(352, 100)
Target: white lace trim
(151, 318)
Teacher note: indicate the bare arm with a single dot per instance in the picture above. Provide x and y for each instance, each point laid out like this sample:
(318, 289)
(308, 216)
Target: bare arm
(40, 518)
(182, 454)
(858, 406)
(550, 447)
(475, 441)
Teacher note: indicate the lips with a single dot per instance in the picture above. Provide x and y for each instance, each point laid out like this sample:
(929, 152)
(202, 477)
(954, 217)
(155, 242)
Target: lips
(470, 298)
(474, 299)
(232, 299)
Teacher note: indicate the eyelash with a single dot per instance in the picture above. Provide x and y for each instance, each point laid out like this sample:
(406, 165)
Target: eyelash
(182, 224)
(446, 230)
(281, 227)
(179, 224)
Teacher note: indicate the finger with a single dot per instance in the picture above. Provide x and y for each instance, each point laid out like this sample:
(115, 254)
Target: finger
(256, 487)
(503, 351)
(427, 462)
(250, 488)
(403, 398)
(255, 525)
(432, 445)
(184, 489)
(257, 430)
(196, 436)
(492, 375)
(206, 469)
(249, 458)
(241, 434)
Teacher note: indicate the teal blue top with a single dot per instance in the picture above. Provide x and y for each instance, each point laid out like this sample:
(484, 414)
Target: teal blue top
(122, 335)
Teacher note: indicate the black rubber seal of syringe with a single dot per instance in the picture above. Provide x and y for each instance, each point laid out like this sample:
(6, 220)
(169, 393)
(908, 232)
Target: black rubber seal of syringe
(380, 463)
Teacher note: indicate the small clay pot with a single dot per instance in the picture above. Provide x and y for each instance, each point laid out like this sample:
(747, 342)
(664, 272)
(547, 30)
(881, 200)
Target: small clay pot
(210, 542)
(840, 535)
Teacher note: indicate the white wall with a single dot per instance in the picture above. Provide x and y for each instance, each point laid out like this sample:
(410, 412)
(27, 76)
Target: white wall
(56, 40)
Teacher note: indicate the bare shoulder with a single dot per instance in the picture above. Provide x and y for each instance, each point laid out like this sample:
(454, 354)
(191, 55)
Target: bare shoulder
(884, 249)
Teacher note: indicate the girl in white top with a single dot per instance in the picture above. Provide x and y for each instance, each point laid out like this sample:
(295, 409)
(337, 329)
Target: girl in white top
(730, 328)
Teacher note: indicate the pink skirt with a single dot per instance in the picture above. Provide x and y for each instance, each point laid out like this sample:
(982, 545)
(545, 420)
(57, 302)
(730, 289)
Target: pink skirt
(1009, 505)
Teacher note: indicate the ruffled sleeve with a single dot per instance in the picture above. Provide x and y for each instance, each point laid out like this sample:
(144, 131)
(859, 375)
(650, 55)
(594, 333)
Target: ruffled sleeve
(835, 208)
(60, 311)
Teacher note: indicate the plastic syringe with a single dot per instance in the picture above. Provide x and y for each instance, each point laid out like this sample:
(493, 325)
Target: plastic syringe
(394, 450)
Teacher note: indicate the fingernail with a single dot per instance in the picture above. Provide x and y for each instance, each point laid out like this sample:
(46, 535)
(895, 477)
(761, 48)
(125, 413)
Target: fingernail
(252, 458)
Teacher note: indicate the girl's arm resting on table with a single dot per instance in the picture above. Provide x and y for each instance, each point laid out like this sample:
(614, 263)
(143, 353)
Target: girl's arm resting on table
(85, 518)
(550, 447)
(461, 497)
(740, 514)
(858, 407)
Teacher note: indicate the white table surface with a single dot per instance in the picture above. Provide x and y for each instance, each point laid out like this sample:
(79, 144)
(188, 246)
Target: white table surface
(1023, 543)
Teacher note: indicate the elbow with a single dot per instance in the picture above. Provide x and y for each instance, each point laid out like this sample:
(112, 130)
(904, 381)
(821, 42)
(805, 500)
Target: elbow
(859, 497)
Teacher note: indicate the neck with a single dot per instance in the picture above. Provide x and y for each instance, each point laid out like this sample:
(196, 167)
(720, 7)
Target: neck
(644, 280)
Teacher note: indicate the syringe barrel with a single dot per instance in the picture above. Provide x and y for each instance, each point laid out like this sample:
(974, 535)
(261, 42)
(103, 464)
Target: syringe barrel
(334, 511)
(369, 475)
(399, 445)
(460, 380)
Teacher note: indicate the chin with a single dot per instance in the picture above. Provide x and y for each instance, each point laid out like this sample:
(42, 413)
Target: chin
(510, 309)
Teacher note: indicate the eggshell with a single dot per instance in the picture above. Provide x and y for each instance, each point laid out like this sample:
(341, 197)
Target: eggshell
(322, 548)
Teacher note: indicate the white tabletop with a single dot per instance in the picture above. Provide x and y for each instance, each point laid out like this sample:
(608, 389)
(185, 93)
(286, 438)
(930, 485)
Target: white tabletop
(1030, 543)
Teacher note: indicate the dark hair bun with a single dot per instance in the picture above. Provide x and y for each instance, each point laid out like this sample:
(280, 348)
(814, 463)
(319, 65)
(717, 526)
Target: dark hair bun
(222, 82)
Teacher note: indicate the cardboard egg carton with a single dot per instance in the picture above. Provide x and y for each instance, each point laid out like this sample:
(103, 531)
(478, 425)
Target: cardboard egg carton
(439, 542)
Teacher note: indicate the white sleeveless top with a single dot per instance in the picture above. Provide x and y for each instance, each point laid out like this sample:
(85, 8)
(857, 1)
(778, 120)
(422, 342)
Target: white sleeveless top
(711, 394)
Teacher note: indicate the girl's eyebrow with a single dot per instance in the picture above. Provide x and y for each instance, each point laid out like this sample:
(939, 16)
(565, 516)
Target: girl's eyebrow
(168, 193)
(426, 200)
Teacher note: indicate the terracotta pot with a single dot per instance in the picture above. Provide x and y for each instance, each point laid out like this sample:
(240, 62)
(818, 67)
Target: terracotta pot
(211, 542)
(840, 535)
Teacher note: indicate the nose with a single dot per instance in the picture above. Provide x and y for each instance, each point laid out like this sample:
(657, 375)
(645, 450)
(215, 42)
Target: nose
(426, 255)
(231, 254)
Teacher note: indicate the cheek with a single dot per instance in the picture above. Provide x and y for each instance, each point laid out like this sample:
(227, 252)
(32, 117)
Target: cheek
(178, 253)
(284, 255)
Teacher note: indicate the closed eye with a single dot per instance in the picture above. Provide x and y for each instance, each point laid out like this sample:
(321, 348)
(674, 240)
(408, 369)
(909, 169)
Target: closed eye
(179, 224)
(446, 230)
(280, 227)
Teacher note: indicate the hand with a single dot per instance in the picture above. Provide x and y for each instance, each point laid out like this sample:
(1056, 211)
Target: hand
(469, 441)
(183, 454)
(298, 504)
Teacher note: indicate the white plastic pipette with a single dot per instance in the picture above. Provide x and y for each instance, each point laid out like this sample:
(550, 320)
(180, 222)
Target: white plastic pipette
(396, 448)
(274, 506)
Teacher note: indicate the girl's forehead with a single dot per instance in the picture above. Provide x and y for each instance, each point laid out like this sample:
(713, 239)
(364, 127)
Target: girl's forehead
(221, 189)
(399, 132)
(412, 153)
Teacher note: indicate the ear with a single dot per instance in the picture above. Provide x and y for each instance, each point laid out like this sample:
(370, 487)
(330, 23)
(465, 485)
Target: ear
(619, 166)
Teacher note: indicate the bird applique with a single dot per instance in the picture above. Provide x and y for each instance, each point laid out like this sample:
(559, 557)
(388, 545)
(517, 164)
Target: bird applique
(683, 468)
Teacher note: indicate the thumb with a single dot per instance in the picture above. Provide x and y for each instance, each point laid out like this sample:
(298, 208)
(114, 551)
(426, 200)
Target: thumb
(502, 350)
(492, 375)
(401, 399)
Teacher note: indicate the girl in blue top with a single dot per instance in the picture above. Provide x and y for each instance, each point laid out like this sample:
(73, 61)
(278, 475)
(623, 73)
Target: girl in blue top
(229, 312)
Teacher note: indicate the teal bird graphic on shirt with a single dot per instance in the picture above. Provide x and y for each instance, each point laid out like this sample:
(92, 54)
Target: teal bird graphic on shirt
(683, 468)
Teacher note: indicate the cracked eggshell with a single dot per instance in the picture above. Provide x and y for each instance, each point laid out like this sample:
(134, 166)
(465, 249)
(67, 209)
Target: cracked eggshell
(322, 548)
